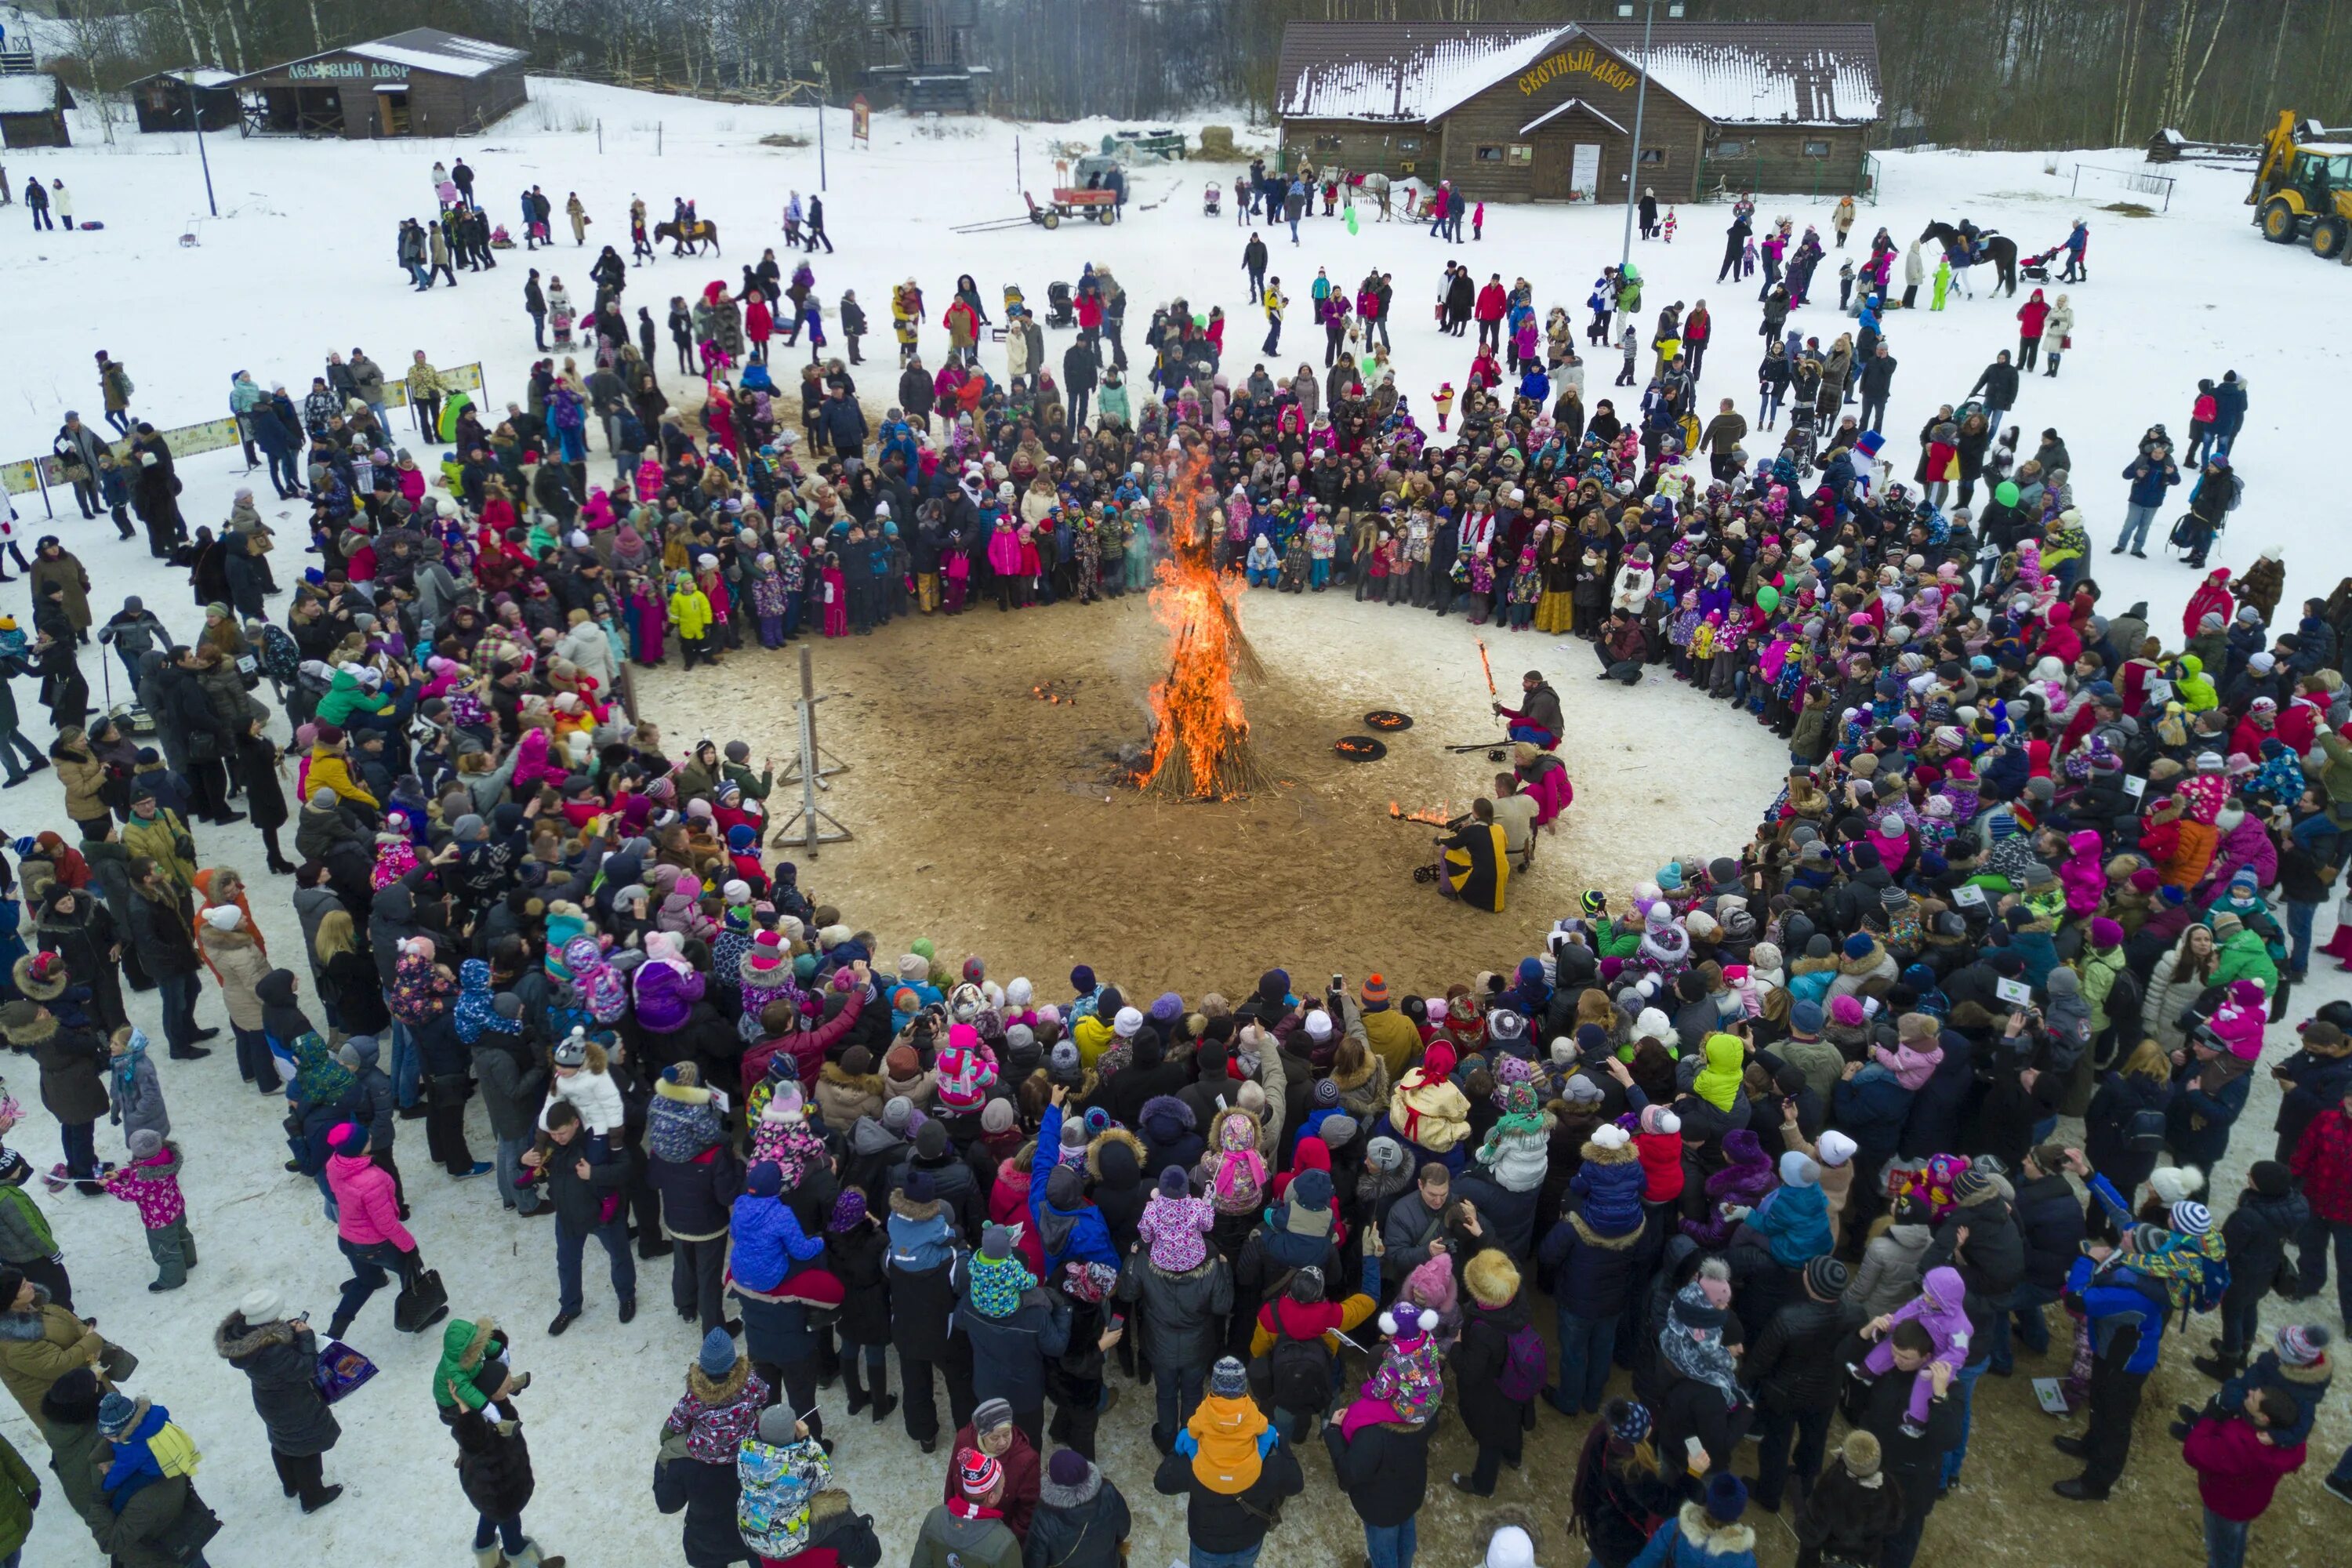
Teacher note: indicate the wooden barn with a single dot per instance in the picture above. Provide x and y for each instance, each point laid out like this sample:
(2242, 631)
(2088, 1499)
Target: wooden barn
(1545, 111)
(422, 82)
(33, 110)
(186, 100)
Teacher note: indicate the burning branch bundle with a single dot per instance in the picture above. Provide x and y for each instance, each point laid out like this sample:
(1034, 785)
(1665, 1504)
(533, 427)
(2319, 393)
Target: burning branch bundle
(1200, 734)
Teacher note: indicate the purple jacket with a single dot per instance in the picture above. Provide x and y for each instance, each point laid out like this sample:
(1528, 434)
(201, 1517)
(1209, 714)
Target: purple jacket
(665, 995)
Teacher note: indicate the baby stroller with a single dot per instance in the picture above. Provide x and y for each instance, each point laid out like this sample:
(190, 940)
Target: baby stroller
(1212, 197)
(1803, 441)
(1058, 312)
(2037, 268)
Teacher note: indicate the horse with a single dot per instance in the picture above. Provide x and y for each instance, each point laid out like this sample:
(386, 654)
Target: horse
(1375, 186)
(685, 238)
(1999, 248)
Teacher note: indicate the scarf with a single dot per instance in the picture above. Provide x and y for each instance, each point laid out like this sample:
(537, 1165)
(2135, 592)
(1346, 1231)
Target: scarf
(1692, 1342)
(126, 1067)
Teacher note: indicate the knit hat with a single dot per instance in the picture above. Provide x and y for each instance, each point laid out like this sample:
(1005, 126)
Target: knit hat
(2271, 1178)
(1228, 1379)
(1376, 989)
(2302, 1344)
(1628, 1419)
(1836, 1148)
(764, 1180)
(261, 1305)
(1727, 1498)
(1127, 1021)
(1385, 1154)
(716, 1358)
(976, 1473)
(146, 1143)
(991, 1415)
(114, 1414)
(848, 1210)
(1797, 1171)
(997, 1115)
(1826, 1278)
(1971, 1185)
(1805, 1017)
(348, 1139)
(2191, 1217)
(1860, 1453)
(1068, 1468)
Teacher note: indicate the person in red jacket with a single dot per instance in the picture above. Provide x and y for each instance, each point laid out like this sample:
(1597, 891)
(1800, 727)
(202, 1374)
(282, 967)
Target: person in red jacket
(2031, 317)
(1493, 304)
(2321, 1166)
(2239, 1466)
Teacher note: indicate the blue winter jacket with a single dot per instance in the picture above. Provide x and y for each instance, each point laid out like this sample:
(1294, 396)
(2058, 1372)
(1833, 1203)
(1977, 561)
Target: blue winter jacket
(1795, 1223)
(1872, 1111)
(2116, 1303)
(768, 1241)
(1078, 1235)
(2150, 479)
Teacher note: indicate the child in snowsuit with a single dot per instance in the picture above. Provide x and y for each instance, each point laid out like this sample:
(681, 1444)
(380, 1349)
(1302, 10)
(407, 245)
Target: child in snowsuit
(152, 1180)
(1630, 341)
(1443, 400)
(1938, 1308)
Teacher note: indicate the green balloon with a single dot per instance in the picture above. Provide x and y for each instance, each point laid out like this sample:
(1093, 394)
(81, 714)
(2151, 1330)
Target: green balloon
(1352, 219)
(2006, 493)
(1201, 323)
(1767, 599)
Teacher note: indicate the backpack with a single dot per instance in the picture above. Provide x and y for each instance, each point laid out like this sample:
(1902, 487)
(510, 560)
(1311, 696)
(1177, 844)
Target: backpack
(1299, 1376)
(1522, 1377)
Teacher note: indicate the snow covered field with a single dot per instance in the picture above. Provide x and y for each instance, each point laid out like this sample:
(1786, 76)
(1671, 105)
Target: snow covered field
(302, 262)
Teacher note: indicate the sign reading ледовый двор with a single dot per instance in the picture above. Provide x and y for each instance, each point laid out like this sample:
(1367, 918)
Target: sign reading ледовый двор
(344, 70)
(1600, 66)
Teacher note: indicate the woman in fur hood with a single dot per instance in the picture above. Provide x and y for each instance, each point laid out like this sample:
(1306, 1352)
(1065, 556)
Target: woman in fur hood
(849, 1089)
(279, 1357)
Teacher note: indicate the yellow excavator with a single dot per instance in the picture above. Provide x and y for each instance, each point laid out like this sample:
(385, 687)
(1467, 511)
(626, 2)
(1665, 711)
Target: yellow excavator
(2302, 189)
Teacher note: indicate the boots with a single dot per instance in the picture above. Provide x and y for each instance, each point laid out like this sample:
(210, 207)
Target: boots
(531, 1558)
(488, 1557)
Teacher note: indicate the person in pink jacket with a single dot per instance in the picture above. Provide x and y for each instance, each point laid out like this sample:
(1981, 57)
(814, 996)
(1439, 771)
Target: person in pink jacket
(1939, 1308)
(367, 1224)
(2084, 875)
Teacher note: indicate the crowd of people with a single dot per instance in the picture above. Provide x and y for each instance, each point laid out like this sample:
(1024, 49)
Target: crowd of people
(1775, 1131)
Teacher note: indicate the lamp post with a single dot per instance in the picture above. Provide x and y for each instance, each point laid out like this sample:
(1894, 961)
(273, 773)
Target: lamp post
(1640, 96)
(196, 120)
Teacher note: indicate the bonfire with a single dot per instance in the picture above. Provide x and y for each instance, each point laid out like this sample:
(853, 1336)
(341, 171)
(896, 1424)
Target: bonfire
(1200, 735)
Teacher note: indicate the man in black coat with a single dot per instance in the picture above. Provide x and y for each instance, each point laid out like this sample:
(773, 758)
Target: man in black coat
(1794, 1368)
(1999, 384)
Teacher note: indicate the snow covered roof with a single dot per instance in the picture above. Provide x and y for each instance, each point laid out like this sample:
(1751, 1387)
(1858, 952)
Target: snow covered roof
(431, 49)
(1731, 72)
(1394, 70)
(35, 94)
(202, 76)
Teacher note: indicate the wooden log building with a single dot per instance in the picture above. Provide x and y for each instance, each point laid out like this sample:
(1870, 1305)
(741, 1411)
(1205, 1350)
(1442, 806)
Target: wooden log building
(186, 98)
(1543, 111)
(422, 82)
(33, 110)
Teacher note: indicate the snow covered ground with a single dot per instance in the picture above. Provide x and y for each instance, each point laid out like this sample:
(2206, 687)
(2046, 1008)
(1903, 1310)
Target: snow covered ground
(302, 262)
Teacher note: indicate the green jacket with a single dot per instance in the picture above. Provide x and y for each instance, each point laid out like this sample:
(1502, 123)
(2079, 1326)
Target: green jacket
(463, 1346)
(346, 697)
(25, 1234)
(2099, 972)
(20, 1490)
(2245, 956)
(755, 786)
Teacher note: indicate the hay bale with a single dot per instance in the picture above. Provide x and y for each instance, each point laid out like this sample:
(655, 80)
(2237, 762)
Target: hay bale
(1217, 142)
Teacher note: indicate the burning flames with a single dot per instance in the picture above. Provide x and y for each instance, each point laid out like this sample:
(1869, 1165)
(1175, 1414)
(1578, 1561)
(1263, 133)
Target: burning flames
(1200, 734)
(1439, 814)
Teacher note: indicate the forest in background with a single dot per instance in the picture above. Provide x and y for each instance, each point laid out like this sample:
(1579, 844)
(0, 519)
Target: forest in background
(1985, 73)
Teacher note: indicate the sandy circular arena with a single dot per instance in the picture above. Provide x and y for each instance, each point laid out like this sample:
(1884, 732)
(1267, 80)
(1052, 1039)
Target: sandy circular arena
(990, 819)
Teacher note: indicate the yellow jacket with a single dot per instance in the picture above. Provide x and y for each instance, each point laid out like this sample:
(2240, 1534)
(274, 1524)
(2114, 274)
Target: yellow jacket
(330, 770)
(689, 612)
(422, 380)
(1093, 1036)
